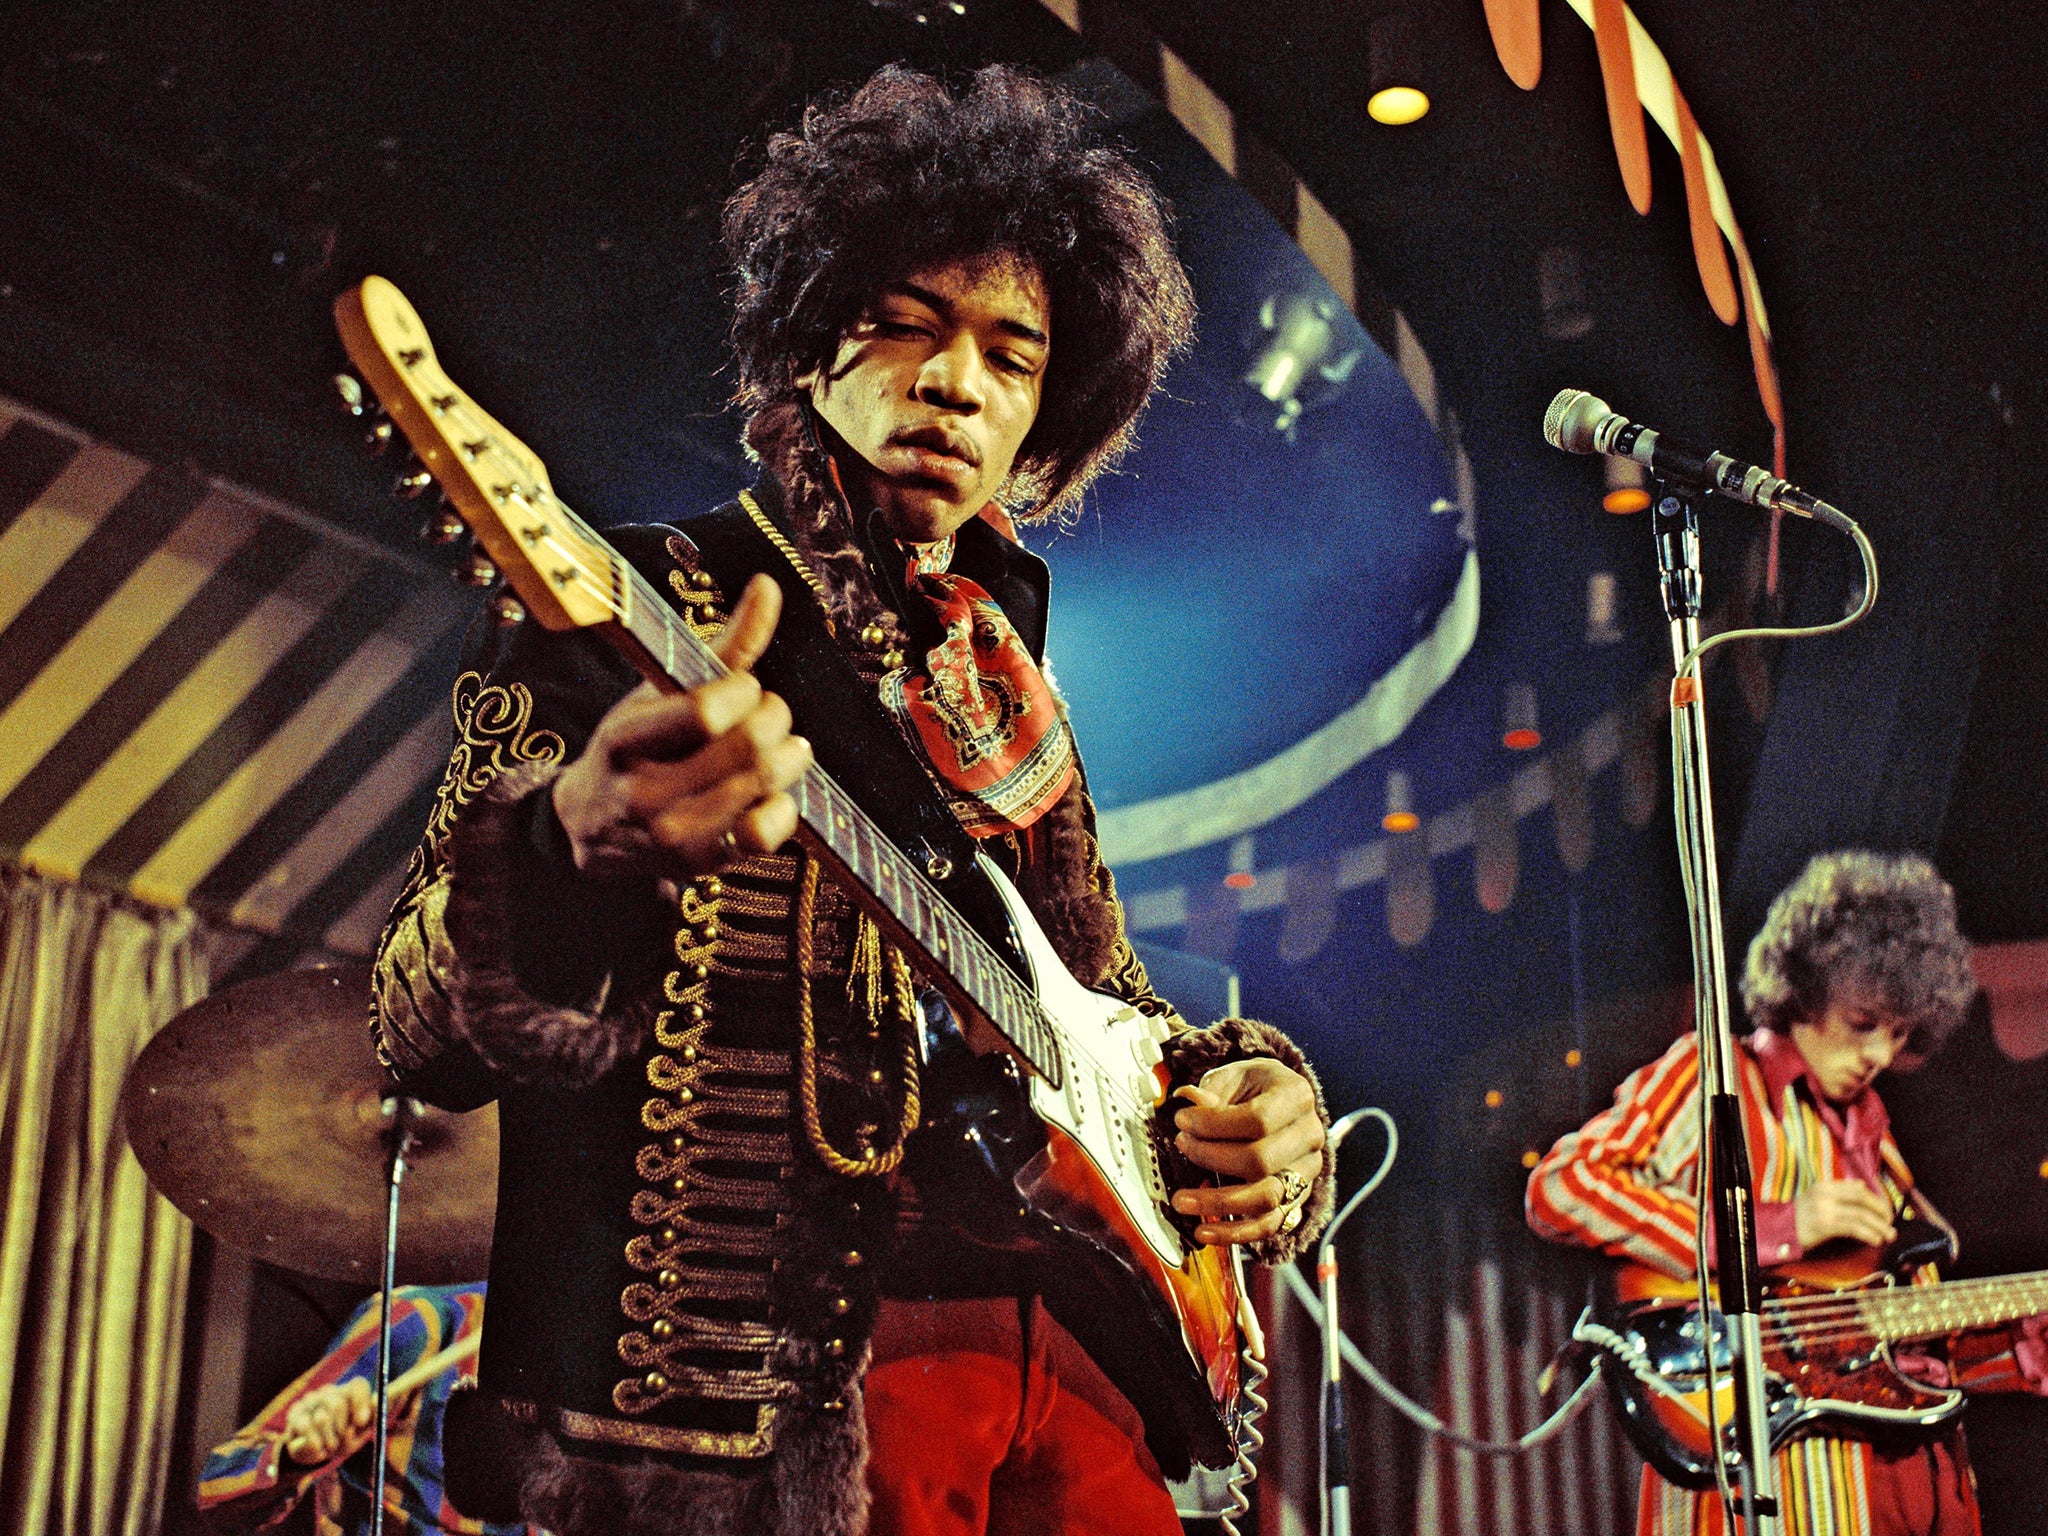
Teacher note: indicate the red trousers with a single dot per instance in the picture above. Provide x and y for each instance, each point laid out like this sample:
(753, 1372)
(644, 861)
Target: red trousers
(981, 1432)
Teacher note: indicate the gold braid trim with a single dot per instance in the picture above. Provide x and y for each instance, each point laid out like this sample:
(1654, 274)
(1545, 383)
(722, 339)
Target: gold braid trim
(871, 1163)
(780, 540)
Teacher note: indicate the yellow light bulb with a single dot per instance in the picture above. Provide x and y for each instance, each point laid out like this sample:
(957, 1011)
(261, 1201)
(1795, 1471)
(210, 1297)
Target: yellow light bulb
(1397, 105)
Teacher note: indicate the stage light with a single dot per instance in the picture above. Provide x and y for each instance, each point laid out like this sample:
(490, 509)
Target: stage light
(1603, 597)
(1530, 1158)
(1572, 1058)
(1397, 97)
(1400, 817)
(1561, 289)
(1298, 362)
(1240, 877)
(1518, 719)
(1495, 1098)
(1628, 486)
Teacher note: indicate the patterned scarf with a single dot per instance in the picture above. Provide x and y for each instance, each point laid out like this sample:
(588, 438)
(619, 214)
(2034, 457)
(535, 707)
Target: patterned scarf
(980, 708)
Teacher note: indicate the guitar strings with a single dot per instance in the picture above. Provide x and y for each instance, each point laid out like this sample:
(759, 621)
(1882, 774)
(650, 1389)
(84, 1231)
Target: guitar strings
(597, 585)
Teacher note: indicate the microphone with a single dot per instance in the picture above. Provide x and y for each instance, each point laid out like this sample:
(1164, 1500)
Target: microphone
(1581, 423)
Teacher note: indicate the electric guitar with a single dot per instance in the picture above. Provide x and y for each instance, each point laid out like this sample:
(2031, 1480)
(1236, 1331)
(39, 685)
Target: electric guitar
(1063, 1114)
(1828, 1329)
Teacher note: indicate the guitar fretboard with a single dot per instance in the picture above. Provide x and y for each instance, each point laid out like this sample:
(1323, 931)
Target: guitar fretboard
(885, 873)
(1930, 1311)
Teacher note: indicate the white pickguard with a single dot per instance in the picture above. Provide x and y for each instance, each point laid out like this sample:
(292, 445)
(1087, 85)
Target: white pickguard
(1111, 1089)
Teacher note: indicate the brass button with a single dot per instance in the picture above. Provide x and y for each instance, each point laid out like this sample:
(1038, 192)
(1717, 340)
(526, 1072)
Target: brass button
(873, 636)
(689, 1053)
(841, 1306)
(710, 929)
(695, 1012)
(662, 1328)
(713, 887)
(700, 580)
(700, 972)
(679, 1186)
(892, 659)
(668, 1279)
(669, 1234)
(835, 1347)
(853, 1259)
(656, 1382)
(877, 1076)
(678, 1146)
(833, 1405)
(684, 1096)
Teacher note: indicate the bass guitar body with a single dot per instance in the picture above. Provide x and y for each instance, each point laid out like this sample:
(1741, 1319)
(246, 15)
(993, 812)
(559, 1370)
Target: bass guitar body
(1835, 1378)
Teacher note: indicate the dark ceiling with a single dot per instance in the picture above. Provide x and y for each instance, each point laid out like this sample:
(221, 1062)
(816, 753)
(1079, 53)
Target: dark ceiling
(185, 186)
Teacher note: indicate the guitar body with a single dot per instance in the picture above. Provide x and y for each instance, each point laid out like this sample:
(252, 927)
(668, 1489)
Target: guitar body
(1839, 1380)
(1075, 1178)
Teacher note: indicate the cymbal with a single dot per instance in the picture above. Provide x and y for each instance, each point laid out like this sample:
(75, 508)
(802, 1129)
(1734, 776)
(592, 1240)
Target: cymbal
(260, 1113)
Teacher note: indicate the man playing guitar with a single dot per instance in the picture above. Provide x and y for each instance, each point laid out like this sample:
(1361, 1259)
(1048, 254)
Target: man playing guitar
(720, 1300)
(1858, 960)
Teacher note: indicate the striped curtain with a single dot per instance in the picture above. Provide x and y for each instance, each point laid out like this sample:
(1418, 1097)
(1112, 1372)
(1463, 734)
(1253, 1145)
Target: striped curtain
(212, 699)
(92, 1261)
(1502, 1323)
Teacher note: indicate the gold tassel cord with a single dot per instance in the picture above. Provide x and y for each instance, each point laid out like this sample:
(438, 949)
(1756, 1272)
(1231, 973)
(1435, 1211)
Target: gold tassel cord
(872, 1163)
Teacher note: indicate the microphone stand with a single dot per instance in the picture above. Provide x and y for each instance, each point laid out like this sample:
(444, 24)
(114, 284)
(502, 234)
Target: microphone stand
(399, 1140)
(1675, 525)
(1336, 1446)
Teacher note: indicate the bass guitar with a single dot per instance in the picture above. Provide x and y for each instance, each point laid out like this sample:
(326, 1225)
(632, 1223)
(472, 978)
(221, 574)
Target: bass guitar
(1065, 1114)
(1829, 1327)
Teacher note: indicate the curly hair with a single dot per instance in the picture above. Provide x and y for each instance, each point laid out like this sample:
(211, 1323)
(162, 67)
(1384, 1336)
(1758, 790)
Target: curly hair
(905, 175)
(1875, 926)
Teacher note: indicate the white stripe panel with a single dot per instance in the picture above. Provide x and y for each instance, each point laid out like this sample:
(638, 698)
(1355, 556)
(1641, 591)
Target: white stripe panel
(189, 713)
(107, 642)
(269, 772)
(419, 755)
(1194, 818)
(51, 528)
(1200, 110)
(356, 931)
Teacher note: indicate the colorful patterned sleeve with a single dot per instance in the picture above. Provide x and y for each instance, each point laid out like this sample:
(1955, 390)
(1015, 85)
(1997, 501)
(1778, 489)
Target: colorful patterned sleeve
(248, 1478)
(1618, 1183)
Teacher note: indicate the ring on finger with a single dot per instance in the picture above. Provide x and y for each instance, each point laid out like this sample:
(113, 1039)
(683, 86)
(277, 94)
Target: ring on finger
(1292, 1186)
(1292, 1219)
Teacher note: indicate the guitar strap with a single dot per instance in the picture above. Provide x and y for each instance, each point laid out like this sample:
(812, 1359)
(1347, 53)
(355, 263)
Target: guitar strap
(852, 735)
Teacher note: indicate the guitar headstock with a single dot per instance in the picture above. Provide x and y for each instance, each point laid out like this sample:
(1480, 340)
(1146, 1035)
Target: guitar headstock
(494, 482)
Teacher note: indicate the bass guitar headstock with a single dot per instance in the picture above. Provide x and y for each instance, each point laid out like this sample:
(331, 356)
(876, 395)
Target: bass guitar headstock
(493, 483)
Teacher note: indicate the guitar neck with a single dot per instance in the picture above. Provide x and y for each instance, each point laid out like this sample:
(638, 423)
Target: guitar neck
(655, 637)
(1933, 1311)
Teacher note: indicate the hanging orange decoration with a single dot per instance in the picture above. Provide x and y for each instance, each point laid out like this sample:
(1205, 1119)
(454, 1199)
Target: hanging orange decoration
(1624, 106)
(1517, 27)
(1707, 249)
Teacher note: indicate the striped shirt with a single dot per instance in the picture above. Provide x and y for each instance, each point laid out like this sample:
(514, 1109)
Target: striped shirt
(1624, 1184)
(251, 1482)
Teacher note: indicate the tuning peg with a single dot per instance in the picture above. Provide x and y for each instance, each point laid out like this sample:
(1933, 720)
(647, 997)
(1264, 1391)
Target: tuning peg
(477, 571)
(507, 611)
(444, 527)
(412, 481)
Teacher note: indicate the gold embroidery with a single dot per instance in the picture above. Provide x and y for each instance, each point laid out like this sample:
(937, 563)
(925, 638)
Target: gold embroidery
(493, 732)
(653, 1437)
(704, 608)
(705, 1240)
